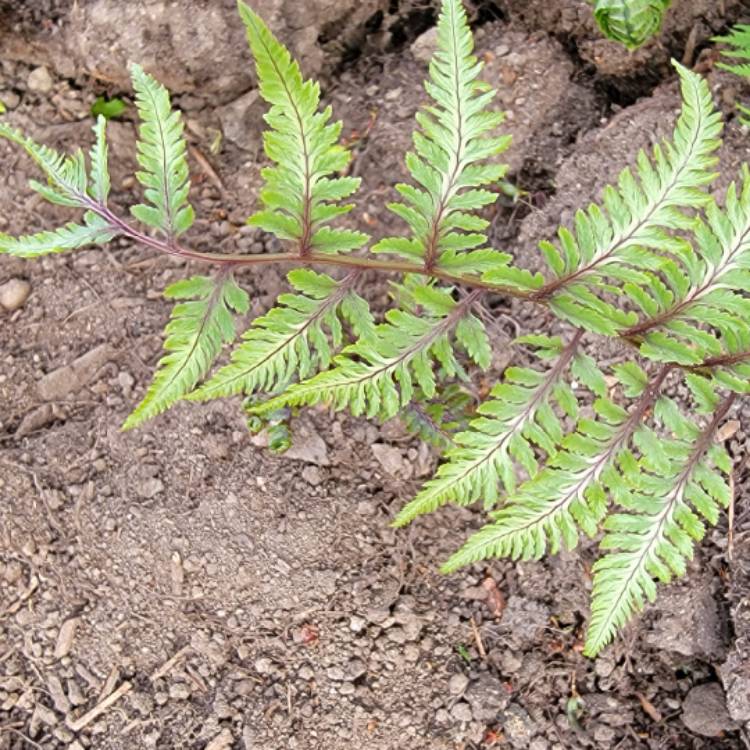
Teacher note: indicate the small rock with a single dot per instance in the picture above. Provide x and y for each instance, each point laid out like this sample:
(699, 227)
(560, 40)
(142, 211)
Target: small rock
(179, 692)
(392, 460)
(149, 488)
(424, 46)
(263, 666)
(222, 741)
(35, 420)
(65, 637)
(461, 712)
(308, 446)
(40, 80)
(336, 674)
(458, 683)
(487, 697)
(239, 121)
(689, 623)
(312, 475)
(704, 711)
(517, 726)
(357, 624)
(14, 293)
(604, 735)
(736, 681)
(60, 383)
(9, 98)
(525, 619)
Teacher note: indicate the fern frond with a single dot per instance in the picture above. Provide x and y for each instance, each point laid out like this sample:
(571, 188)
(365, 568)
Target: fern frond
(452, 146)
(301, 195)
(66, 175)
(571, 491)
(100, 182)
(628, 237)
(291, 340)
(378, 376)
(630, 22)
(94, 231)
(162, 155)
(739, 42)
(655, 534)
(705, 303)
(195, 334)
(517, 416)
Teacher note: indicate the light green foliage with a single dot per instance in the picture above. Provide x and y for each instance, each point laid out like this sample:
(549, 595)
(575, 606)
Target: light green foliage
(703, 302)
(660, 265)
(162, 156)
(199, 326)
(452, 146)
(625, 240)
(738, 41)
(571, 491)
(109, 108)
(630, 22)
(667, 492)
(302, 195)
(517, 416)
(377, 375)
(292, 339)
(93, 231)
(66, 175)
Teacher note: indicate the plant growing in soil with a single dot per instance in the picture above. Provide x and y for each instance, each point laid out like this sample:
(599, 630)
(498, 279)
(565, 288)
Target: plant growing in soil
(630, 22)
(563, 446)
(738, 41)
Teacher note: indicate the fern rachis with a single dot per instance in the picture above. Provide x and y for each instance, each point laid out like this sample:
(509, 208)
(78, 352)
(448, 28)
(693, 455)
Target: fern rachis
(659, 265)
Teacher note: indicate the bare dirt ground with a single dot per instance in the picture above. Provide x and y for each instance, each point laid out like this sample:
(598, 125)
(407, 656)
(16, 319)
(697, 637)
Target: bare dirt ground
(226, 598)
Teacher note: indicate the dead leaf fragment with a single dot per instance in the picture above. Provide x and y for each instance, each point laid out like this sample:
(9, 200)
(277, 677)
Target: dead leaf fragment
(649, 707)
(728, 429)
(65, 637)
(495, 600)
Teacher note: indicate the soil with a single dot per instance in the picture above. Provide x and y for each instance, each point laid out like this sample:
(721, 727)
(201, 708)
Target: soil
(224, 597)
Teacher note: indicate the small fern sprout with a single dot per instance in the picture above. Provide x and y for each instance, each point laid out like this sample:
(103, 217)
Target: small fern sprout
(630, 22)
(561, 446)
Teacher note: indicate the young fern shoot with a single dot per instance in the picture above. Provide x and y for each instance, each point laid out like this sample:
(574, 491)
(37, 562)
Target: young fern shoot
(560, 446)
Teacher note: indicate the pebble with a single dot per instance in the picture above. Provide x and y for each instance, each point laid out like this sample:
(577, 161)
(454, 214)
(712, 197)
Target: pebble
(517, 726)
(705, 711)
(312, 475)
(425, 45)
(357, 624)
(458, 683)
(179, 692)
(40, 80)
(392, 460)
(10, 99)
(14, 293)
(461, 712)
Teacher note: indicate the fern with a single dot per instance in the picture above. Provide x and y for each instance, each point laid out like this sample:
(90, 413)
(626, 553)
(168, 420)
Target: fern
(301, 196)
(195, 334)
(290, 340)
(517, 417)
(674, 483)
(162, 155)
(659, 265)
(738, 41)
(630, 22)
(377, 376)
(611, 244)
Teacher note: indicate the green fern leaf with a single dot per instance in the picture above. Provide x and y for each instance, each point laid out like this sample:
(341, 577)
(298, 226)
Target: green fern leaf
(290, 340)
(630, 22)
(94, 231)
(66, 175)
(655, 535)
(569, 493)
(452, 146)
(301, 194)
(627, 239)
(705, 302)
(738, 41)
(162, 155)
(195, 334)
(100, 182)
(378, 376)
(516, 416)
